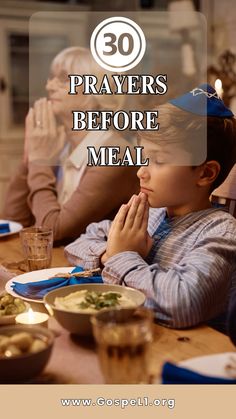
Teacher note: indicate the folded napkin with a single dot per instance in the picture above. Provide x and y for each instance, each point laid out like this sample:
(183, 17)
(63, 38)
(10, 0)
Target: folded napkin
(172, 374)
(37, 290)
(4, 228)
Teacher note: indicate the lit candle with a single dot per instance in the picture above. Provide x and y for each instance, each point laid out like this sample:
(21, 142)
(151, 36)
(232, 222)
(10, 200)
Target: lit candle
(33, 317)
(218, 87)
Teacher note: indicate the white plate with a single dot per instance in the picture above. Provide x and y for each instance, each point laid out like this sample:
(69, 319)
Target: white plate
(14, 227)
(211, 365)
(34, 276)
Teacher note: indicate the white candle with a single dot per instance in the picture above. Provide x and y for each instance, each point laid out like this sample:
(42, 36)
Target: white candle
(218, 87)
(33, 317)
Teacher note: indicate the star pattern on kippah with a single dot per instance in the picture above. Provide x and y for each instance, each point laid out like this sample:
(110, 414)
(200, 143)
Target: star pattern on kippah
(198, 91)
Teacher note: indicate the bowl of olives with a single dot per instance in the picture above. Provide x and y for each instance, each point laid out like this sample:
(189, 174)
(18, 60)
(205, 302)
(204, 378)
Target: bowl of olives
(24, 352)
(10, 307)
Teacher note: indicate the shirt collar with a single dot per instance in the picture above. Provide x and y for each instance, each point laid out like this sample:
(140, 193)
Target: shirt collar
(157, 215)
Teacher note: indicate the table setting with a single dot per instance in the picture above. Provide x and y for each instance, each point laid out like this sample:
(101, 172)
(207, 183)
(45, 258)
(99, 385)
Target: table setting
(196, 355)
(8, 228)
(211, 369)
(36, 288)
(32, 286)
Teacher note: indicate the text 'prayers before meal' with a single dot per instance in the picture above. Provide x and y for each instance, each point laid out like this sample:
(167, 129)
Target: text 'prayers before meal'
(119, 120)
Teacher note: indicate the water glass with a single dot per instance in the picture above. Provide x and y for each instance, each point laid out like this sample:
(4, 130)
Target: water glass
(37, 244)
(124, 341)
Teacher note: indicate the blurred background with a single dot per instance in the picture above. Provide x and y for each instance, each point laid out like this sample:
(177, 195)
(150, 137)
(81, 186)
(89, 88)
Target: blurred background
(14, 54)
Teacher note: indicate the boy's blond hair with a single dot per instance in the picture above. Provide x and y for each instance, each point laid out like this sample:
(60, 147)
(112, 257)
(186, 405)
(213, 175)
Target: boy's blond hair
(190, 131)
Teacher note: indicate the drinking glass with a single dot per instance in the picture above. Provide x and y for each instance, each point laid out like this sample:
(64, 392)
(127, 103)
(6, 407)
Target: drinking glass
(37, 243)
(124, 340)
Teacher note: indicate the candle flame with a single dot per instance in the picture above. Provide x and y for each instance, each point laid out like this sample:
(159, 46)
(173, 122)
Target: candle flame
(31, 315)
(218, 87)
(218, 84)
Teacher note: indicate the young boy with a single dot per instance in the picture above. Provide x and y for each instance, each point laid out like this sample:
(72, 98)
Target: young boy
(181, 252)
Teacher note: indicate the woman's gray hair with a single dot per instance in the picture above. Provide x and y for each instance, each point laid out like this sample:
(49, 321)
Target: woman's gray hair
(79, 60)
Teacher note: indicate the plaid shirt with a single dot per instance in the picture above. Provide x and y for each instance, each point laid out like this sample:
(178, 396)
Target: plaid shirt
(188, 273)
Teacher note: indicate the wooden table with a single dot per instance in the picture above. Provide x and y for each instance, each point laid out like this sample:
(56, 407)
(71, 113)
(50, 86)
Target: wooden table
(74, 360)
(10, 251)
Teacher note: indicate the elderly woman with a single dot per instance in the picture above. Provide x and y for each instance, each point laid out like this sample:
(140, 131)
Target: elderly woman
(53, 185)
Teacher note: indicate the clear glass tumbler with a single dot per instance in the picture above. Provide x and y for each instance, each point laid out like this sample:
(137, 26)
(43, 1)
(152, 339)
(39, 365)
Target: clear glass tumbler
(124, 341)
(37, 244)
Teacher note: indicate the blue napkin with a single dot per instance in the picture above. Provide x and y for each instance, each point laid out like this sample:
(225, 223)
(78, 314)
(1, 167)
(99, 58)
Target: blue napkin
(4, 228)
(172, 374)
(37, 290)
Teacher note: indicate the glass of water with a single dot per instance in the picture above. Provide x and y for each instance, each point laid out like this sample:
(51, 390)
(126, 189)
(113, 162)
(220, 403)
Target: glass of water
(37, 244)
(124, 340)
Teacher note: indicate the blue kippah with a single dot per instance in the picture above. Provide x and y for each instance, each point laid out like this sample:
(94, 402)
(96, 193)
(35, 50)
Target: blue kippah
(203, 100)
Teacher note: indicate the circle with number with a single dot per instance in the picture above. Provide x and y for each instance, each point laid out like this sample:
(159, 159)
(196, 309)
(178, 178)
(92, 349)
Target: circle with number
(118, 44)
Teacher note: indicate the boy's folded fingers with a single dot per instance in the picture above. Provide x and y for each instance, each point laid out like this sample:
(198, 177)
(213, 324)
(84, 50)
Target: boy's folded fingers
(144, 225)
(120, 217)
(138, 220)
(132, 212)
(131, 200)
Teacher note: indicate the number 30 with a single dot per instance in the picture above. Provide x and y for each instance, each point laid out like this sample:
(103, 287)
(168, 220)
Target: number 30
(120, 44)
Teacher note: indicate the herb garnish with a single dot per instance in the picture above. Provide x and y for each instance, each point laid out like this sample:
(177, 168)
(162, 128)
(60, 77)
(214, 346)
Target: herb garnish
(99, 300)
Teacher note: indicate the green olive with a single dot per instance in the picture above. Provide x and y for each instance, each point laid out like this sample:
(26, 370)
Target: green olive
(11, 309)
(7, 299)
(10, 305)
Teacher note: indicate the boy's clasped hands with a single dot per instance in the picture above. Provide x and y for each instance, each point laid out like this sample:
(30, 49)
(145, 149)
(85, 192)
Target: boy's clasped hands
(128, 231)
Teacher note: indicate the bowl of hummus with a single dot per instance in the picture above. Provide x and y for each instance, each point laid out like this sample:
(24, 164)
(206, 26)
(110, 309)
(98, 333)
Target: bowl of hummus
(74, 305)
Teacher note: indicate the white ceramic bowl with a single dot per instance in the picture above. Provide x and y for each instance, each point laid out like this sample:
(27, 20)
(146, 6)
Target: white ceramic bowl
(79, 323)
